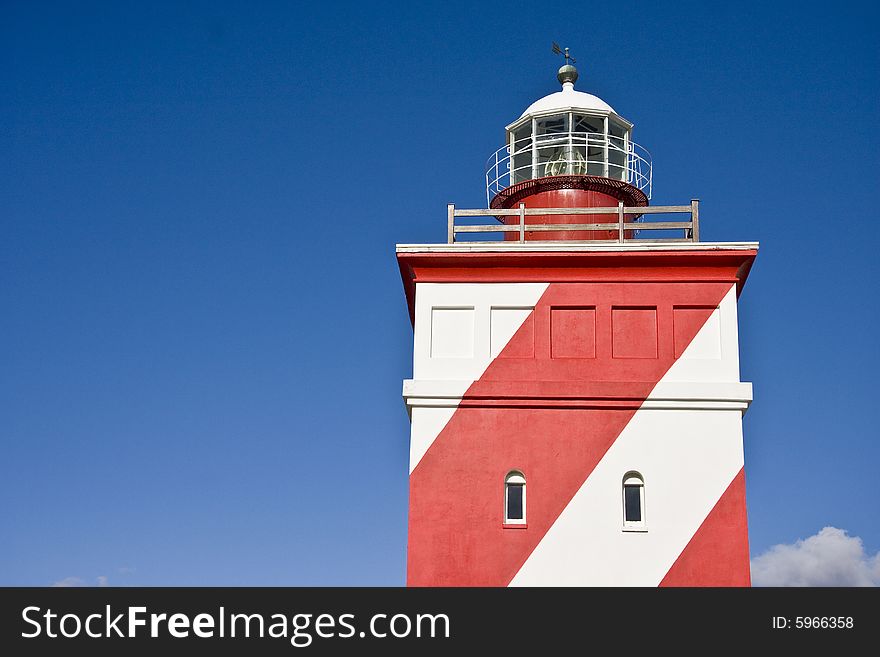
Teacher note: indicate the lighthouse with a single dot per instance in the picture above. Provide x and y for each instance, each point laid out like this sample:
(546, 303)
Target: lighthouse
(576, 404)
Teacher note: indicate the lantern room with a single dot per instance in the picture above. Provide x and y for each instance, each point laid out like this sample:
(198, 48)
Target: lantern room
(569, 149)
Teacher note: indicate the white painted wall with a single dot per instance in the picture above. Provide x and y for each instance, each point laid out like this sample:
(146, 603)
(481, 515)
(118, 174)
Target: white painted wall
(446, 346)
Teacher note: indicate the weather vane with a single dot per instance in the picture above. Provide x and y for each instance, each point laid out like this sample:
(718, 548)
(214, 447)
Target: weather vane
(559, 51)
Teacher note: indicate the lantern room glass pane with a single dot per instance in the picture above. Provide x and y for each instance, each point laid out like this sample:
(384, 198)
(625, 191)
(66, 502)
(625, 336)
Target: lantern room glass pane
(521, 149)
(553, 148)
(548, 160)
(596, 155)
(617, 158)
(523, 131)
(583, 123)
(617, 150)
(552, 125)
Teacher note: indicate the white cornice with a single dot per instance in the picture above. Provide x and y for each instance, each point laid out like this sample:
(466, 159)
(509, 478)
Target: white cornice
(665, 395)
(569, 247)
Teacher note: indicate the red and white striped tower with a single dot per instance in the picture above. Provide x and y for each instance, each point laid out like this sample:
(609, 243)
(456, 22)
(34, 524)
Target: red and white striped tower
(576, 404)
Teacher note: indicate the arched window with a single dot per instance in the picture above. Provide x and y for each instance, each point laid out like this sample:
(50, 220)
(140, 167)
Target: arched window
(515, 498)
(633, 501)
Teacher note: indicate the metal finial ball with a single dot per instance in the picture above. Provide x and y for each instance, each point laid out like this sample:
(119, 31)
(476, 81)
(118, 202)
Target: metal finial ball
(567, 73)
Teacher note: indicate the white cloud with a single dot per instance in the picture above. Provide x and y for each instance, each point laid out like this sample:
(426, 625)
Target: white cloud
(69, 582)
(830, 558)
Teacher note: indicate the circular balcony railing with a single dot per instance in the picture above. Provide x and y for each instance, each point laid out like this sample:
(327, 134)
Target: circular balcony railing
(568, 154)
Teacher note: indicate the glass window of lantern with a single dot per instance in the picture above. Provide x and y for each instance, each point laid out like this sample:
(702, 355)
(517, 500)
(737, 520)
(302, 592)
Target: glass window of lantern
(617, 145)
(552, 125)
(551, 141)
(521, 152)
(521, 135)
(585, 130)
(616, 129)
(585, 123)
(596, 155)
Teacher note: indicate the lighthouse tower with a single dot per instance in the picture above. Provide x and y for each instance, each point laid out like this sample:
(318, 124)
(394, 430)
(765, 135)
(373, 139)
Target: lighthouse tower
(576, 403)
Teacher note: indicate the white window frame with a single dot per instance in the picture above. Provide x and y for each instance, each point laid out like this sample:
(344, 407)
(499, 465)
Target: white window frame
(633, 478)
(515, 477)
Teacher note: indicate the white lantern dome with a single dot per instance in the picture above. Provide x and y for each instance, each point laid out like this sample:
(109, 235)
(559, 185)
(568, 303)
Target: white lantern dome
(568, 99)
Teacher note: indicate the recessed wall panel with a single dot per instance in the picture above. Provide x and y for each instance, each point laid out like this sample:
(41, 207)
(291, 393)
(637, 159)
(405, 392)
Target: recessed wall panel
(573, 332)
(512, 332)
(452, 332)
(634, 332)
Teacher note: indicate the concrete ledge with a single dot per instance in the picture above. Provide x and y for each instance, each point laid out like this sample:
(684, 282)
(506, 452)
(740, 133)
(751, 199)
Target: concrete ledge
(711, 395)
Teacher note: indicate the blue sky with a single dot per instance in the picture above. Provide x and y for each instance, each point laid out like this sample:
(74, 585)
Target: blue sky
(203, 328)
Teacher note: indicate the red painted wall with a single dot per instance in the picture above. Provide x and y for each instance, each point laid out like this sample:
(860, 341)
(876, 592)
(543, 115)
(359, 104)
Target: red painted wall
(569, 191)
(568, 198)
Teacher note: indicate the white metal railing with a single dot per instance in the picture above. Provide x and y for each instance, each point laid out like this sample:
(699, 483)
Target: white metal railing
(568, 153)
(621, 226)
